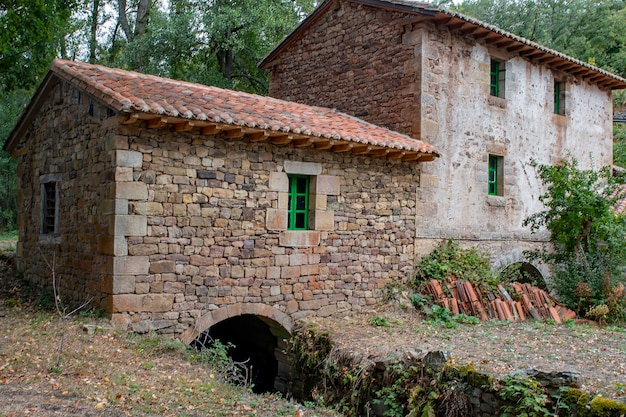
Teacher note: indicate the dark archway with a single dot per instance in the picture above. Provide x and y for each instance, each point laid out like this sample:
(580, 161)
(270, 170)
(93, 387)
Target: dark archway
(524, 272)
(258, 342)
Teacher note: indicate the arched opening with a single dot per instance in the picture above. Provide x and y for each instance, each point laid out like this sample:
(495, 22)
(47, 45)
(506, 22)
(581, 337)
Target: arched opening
(524, 272)
(258, 344)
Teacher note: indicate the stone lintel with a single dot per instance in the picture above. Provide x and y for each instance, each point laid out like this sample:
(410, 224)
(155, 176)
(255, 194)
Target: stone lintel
(302, 168)
(299, 238)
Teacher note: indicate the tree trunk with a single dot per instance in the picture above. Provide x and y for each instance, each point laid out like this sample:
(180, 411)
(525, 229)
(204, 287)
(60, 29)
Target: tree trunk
(143, 13)
(123, 20)
(93, 42)
(225, 62)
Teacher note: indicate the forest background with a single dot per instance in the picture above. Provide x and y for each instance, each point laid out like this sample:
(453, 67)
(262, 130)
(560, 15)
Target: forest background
(220, 42)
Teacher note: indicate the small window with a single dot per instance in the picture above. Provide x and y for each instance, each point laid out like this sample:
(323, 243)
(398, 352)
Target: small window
(559, 98)
(495, 181)
(496, 86)
(49, 207)
(298, 202)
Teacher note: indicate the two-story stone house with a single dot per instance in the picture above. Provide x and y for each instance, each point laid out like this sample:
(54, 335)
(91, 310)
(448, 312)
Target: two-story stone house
(490, 102)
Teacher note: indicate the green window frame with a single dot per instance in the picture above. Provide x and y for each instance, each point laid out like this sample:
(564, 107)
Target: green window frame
(494, 180)
(298, 205)
(559, 97)
(497, 78)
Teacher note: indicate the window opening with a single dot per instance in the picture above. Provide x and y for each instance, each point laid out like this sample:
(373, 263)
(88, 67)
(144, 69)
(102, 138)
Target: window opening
(49, 208)
(559, 98)
(495, 182)
(497, 77)
(298, 205)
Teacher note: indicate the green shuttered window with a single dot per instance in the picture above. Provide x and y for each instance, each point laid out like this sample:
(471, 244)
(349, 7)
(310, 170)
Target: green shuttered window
(298, 202)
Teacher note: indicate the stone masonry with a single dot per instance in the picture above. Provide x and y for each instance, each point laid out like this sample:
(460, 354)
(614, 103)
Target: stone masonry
(162, 228)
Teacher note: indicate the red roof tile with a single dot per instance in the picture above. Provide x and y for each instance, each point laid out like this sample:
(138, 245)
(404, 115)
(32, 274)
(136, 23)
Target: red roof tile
(132, 92)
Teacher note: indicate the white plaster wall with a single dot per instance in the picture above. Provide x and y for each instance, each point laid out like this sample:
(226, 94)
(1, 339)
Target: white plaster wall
(460, 118)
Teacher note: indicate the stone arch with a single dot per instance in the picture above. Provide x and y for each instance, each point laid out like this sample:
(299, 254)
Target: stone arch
(256, 309)
(526, 272)
(259, 336)
(517, 257)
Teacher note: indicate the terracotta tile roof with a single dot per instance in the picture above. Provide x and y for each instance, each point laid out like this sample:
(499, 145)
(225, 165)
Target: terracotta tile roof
(132, 92)
(469, 27)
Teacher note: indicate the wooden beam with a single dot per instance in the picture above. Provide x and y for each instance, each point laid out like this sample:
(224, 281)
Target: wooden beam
(184, 126)
(361, 150)
(426, 158)
(342, 147)
(258, 136)
(235, 133)
(132, 118)
(156, 123)
(323, 145)
(280, 140)
(210, 130)
(396, 154)
(379, 152)
(411, 156)
(302, 143)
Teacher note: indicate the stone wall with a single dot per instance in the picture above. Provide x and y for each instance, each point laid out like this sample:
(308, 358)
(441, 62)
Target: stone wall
(66, 144)
(206, 228)
(425, 81)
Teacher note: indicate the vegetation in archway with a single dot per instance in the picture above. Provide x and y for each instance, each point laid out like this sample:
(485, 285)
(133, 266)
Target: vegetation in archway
(588, 238)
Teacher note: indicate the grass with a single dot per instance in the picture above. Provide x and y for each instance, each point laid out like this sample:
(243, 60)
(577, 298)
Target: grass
(8, 236)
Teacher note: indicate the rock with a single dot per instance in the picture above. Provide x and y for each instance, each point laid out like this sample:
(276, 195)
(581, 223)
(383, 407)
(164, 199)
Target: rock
(551, 379)
(436, 360)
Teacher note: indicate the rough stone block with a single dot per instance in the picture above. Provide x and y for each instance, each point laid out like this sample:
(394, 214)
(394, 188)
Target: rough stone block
(276, 219)
(125, 303)
(302, 168)
(326, 185)
(130, 159)
(130, 225)
(324, 220)
(130, 265)
(131, 190)
(113, 245)
(162, 267)
(148, 208)
(157, 302)
(279, 182)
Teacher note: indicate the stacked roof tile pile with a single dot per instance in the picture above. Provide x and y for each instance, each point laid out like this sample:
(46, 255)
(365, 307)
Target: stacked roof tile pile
(526, 301)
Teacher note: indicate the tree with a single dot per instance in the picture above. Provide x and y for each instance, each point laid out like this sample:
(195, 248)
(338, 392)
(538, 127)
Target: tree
(588, 237)
(590, 30)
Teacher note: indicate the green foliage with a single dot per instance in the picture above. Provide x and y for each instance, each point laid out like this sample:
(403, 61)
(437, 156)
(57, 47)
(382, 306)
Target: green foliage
(525, 396)
(441, 315)
(589, 30)
(619, 145)
(447, 260)
(396, 391)
(382, 321)
(588, 237)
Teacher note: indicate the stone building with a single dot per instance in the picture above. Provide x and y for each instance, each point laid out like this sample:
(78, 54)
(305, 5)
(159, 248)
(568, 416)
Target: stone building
(174, 206)
(490, 101)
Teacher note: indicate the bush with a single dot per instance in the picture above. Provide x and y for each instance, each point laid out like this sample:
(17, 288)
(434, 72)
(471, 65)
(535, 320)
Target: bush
(588, 237)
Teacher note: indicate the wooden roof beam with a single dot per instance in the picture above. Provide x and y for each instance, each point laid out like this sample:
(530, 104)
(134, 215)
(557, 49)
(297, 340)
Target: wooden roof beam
(323, 144)
(235, 133)
(302, 143)
(280, 140)
(361, 150)
(258, 136)
(156, 122)
(210, 130)
(131, 119)
(469, 29)
(184, 126)
(504, 43)
(342, 147)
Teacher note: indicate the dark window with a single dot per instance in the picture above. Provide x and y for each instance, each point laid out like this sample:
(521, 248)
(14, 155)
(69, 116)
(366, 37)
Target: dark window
(49, 208)
(495, 180)
(497, 77)
(559, 97)
(298, 202)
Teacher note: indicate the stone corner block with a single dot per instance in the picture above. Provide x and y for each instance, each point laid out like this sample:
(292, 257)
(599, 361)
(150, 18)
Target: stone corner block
(131, 190)
(323, 220)
(119, 284)
(130, 225)
(279, 181)
(113, 245)
(128, 159)
(276, 219)
(131, 265)
(326, 185)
